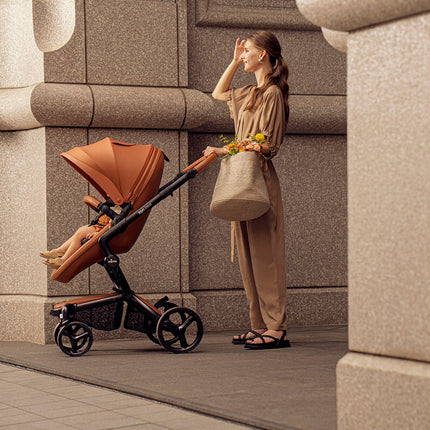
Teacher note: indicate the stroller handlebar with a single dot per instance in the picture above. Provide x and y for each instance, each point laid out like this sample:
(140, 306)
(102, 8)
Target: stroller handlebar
(201, 163)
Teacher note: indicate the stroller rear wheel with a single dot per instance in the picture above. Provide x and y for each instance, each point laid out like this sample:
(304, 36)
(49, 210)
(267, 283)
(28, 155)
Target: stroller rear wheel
(163, 305)
(179, 329)
(74, 338)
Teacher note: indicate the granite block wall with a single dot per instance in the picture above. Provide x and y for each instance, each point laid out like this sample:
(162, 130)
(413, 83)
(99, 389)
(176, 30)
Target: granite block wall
(384, 381)
(76, 71)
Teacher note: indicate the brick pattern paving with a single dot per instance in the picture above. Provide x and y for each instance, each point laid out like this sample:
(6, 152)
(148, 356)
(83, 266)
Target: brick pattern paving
(33, 400)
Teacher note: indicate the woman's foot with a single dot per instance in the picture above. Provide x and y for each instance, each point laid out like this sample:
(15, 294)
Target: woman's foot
(54, 263)
(268, 340)
(243, 338)
(51, 254)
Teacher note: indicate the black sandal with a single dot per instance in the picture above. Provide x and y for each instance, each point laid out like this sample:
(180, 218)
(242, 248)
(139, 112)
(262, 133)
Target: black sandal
(242, 339)
(277, 343)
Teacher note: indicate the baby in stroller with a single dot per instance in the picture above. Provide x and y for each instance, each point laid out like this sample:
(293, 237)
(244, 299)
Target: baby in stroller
(56, 257)
(128, 176)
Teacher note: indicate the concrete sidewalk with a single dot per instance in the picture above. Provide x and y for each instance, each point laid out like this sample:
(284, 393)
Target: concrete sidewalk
(34, 400)
(293, 388)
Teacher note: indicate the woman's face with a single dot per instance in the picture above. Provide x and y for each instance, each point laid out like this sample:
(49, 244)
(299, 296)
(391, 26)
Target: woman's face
(250, 57)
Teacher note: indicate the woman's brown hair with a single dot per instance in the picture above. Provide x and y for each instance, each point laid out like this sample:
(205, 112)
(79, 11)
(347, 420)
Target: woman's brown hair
(267, 41)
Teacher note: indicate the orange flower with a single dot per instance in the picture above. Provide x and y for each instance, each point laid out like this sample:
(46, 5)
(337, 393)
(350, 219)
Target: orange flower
(235, 146)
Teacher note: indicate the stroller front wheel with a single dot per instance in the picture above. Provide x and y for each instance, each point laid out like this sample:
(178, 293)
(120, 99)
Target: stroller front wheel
(57, 329)
(179, 329)
(74, 338)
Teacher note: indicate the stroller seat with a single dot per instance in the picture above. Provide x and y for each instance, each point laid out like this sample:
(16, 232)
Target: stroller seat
(124, 173)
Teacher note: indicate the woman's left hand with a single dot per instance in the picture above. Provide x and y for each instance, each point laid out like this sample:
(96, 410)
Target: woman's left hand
(212, 150)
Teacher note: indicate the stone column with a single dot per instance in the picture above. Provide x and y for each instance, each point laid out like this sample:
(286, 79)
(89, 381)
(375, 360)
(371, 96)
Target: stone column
(384, 381)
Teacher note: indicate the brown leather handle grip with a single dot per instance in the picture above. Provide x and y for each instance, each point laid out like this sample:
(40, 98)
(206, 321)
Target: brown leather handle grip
(202, 162)
(91, 201)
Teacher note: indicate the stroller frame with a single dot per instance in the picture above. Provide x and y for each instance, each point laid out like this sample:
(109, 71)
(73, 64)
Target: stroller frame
(177, 329)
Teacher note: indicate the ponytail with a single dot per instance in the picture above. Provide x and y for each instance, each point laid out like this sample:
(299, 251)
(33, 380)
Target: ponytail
(268, 42)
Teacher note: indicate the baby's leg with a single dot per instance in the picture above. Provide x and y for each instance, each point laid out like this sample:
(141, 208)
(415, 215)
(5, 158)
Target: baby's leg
(74, 243)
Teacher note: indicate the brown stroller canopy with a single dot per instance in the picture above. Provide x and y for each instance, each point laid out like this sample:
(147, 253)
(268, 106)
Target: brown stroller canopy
(123, 172)
(115, 169)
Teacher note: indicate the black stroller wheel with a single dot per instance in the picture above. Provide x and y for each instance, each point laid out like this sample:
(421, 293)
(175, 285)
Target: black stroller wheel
(75, 338)
(163, 305)
(57, 329)
(152, 338)
(179, 329)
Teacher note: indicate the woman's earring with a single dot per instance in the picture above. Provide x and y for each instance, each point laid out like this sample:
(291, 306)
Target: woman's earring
(260, 60)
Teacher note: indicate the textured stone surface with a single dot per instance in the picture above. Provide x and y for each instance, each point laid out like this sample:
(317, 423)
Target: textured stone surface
(68, 63)
(65, 105)
(351, 15)
(182, 30)
(149, 108)
(132, 43)
(262, 13)
(199, 108)
(62, 105)
(380, 392)
(128, 107)
(337, 39)
(53, 23)
(15, 109)
(317, 306)
(15, 313)
(66, 212)
(223, 310)
(389, 185)
(21, 62)
(228, 309)
(23, 215)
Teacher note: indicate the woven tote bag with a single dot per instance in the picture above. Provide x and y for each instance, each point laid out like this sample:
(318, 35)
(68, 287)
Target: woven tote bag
(240, 191)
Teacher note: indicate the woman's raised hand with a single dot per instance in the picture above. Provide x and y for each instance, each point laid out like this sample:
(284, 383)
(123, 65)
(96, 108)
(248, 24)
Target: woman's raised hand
(239, 49)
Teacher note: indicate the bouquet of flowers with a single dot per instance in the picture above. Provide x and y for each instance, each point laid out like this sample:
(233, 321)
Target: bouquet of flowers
(233, 147)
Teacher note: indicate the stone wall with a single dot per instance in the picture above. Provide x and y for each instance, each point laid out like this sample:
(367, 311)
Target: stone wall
(384, 381)
(75, 71)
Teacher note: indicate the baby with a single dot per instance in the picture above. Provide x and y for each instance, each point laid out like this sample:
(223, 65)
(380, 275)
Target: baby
(56, 257)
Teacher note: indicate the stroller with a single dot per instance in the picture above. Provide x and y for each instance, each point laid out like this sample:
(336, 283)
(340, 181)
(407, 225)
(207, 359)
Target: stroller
(128, 177)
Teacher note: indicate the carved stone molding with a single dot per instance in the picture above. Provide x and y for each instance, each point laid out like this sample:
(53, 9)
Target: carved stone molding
(68, 105)
(53, 23)
(280, 14)
(337, 39)
(351, 15)
(65, 105)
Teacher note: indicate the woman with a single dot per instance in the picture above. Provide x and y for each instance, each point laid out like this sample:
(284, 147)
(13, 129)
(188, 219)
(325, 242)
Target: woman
(261, 108)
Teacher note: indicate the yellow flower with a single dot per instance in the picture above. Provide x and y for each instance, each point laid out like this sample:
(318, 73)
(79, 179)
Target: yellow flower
(260, 137)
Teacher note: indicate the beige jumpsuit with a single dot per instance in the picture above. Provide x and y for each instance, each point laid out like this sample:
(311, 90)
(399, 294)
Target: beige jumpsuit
(260, 242)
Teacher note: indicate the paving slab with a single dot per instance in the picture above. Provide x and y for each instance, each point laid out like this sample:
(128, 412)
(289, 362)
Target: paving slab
(291, 388)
